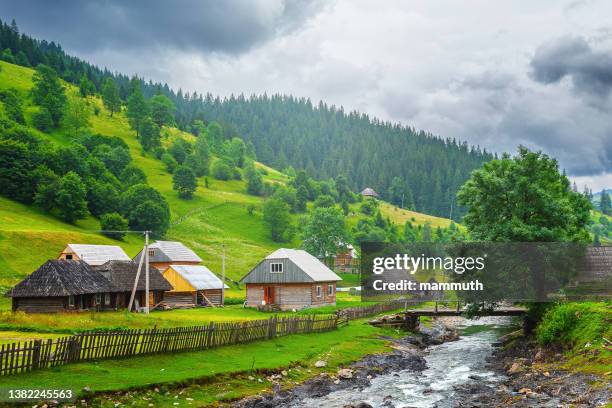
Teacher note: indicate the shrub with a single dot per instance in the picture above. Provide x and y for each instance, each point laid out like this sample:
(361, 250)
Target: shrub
(169, 162)
(42, 120)
(221, 170)
(112, 224)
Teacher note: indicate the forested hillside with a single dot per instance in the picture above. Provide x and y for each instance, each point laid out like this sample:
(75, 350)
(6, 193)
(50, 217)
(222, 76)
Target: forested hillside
(402, 164)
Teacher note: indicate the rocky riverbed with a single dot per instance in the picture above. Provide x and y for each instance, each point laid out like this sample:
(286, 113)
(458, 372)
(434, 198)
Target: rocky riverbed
(407, 356)
(430, 369)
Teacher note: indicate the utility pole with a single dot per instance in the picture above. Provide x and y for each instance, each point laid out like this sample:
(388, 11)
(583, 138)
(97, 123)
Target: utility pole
(222, 274)
(147, 272)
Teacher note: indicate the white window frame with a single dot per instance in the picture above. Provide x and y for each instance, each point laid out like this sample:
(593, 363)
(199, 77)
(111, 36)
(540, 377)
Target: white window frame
(330, 289)
(319, 291)
(272, 264)
(107, 299)
(71, 302)
(98, 298)
(151, 253)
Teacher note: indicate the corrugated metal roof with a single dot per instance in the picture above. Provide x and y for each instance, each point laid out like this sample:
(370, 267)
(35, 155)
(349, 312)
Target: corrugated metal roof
(199, 276)
(170, 251)
(310, 265)
(98, 254)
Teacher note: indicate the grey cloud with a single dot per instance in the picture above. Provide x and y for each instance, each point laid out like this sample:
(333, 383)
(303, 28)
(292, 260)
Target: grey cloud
(225, 26)
(589, 70)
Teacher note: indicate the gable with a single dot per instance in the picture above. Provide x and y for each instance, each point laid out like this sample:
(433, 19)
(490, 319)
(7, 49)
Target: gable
(292, 273)
(179, 284)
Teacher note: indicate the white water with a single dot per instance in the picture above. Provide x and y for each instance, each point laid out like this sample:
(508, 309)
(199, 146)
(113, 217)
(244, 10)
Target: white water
(449, 364)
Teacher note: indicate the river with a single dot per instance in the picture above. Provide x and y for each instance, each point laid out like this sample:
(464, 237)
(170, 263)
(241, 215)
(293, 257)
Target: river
(448, 365)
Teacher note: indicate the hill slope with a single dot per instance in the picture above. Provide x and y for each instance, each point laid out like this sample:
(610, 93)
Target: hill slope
(215, 216)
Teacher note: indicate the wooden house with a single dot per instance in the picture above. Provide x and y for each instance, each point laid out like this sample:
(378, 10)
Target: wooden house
(346, 260)
(121, 275)
(192, 285)
(162, 254)
(93, 254)
(290, 279)
(60, 285)
(369, 192)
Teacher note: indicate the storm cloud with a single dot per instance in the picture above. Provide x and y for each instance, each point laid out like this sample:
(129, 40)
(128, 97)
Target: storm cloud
(573, 57)
(227, 26)
(496, 74)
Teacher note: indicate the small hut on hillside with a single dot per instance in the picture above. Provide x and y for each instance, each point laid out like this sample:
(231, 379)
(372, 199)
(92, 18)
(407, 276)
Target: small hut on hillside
(162, 254)
(59, 286)
(369, 192)
(93, 254)
(121, 275)
(192, 285)
(290, 279)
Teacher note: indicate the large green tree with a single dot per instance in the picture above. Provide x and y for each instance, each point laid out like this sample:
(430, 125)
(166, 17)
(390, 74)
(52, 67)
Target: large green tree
(605, 206)
(48, 92)
(148, 135)
(77, 116)
(71, 197)
(324, 232)
(162, 110)
(523, 199)
(145, 209)
(137, 108)
(184, 181)
(276, 216)
(110, 96)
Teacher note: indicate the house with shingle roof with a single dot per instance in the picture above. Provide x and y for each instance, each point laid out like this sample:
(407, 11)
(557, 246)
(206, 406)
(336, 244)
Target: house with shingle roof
(58, 286)
(162, 254)
(93, 254)
(290, 279)
(192, 285)
(121, 275)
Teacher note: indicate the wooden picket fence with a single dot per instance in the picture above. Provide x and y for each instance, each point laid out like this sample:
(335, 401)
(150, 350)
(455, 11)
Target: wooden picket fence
(352, 313)
(26, 356)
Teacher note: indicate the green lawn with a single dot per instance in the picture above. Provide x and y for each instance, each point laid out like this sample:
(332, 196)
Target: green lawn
(338, 347)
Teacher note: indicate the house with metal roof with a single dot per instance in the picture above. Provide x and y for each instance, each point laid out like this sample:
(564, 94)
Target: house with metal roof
(93, 254)
(290, 279)
(60, 285)
(193, 285)
(122, 275)
(162, 254)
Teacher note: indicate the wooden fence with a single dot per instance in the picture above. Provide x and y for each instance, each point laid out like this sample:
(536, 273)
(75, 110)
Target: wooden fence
(31, 355)
(352, 313)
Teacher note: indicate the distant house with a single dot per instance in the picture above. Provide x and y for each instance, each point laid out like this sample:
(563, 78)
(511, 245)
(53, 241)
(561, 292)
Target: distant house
(93, 254)
(346, 260)
(58, 286)
(369, 192)
(192, 285)
(162, 254)
(121, 275)
(67, 285)
(290, 279)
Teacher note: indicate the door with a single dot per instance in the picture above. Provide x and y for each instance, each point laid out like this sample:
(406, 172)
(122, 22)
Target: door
(269, 295)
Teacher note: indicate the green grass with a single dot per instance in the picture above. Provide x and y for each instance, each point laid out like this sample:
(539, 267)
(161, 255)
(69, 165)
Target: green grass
(349, 280)
(208, 370)
(581, 328)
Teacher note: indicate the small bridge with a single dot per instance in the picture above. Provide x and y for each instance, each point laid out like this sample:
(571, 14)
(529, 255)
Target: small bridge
(409, 318)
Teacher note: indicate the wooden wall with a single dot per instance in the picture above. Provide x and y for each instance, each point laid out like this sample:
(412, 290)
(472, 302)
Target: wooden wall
(292, 295)
(40, 305)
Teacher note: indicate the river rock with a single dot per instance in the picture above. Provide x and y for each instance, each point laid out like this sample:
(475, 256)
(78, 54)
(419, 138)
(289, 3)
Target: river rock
(320, 363)
(345, 373)
(515, 368)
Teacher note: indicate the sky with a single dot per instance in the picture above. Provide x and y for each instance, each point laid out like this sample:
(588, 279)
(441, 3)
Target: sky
(497, 74)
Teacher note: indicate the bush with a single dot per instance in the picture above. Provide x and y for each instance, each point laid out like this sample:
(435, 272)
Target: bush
(575, 324)
(42, 120)
(169, 162)
(112, 224)
(221, 170)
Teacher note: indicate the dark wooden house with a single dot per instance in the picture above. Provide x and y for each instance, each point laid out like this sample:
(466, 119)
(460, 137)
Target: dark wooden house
(121, 275)
(60, 285)
(290, 279)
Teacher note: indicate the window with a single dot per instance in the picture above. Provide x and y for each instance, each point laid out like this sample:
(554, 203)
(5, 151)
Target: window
(71, 301)
(276, 267)
(68, 256)
(330, 289)
(98, 298)
(107, 299)
(319, 291)
(151, 253)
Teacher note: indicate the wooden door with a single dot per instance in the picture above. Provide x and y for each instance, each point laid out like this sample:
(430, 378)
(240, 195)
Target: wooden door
(269, 295)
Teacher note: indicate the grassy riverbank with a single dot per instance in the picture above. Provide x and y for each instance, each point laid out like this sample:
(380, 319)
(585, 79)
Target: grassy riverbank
(584, 331)
(202, 378)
